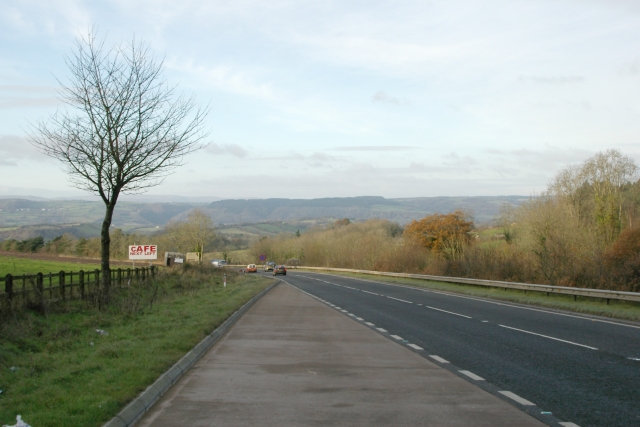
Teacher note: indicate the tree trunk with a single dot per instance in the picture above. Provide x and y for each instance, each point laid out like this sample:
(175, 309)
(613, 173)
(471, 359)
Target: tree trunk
(105, 244)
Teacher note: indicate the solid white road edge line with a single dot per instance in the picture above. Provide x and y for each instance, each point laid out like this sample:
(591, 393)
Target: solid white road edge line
(438, 358)
(517, 398)
(547, 336)
(472, 375)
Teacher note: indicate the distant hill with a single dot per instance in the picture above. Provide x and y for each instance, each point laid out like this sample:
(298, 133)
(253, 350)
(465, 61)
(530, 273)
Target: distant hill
(483, 208)
(25, 218)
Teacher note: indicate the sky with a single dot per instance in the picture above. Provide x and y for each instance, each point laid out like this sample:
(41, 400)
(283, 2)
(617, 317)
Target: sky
(335, 99)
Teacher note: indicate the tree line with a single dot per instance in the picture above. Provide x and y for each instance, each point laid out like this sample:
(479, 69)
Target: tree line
(582, 231)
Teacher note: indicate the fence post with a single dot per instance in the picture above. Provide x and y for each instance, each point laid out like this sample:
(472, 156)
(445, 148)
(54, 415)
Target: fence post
(144, 273)
(120, 277)
(61, 286)
(137, 273)
(40, 287)
(97, 280)
(8, 287)
(81, 281)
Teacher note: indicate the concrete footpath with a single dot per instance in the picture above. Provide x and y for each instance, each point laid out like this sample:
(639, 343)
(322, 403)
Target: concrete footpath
(292, 361)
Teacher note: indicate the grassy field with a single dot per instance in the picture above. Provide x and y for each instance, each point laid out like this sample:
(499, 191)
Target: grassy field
(57, 370)
(20, 265)
(615, 309)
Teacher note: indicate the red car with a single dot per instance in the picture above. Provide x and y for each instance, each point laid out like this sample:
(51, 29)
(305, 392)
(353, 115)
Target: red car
(279, 269)
(251, 268)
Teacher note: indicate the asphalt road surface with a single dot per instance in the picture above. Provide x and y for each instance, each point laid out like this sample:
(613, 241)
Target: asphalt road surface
(581, 370)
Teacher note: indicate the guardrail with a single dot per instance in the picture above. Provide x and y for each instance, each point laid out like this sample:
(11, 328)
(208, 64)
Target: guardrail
(60, 286)
(548, 289)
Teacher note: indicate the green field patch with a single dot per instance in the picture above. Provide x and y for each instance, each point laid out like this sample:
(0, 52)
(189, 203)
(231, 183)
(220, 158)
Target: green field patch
(19, 265)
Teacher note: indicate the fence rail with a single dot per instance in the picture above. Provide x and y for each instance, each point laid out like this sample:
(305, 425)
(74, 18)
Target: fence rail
(40, 287)
(549, 289)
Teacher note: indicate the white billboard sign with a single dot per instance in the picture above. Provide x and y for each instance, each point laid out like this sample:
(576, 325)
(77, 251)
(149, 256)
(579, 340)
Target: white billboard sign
(143, 252)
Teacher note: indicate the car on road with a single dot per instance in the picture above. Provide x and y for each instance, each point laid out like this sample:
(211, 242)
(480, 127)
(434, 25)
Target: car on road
(251, 268)
(280, 269)
(218, 262)
(269, 266)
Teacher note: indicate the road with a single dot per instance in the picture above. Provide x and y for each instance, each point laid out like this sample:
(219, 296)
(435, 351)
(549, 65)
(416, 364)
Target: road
(583, 370)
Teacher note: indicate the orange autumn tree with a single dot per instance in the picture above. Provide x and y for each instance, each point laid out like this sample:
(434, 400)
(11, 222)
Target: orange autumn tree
(444, 233)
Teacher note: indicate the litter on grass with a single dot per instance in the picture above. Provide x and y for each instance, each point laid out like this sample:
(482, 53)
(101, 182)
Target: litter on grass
(19, 423)
(13, 369)
(102, 332)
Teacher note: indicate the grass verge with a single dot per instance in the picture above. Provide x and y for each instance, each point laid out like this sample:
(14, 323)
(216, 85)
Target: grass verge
(598, 307)
(20, 265)
(57, 370)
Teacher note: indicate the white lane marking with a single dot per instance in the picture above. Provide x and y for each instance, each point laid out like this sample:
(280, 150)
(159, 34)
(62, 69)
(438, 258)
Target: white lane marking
(344, 311)
(438, 358)
(397, 337)
(568, 424)
(547, 336)
(349, 287)
(450, 312)
(472, 375)
(369, 323)
(381, 330)
(417, 347)
(634, 358)
(485, 321)
(337, 308)
(398, 299)
(352, 315)
(517, 398)
(451, 294)
(360, 318)
(372, 293)
(419, 304)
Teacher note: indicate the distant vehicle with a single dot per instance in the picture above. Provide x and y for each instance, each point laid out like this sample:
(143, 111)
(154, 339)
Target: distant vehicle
(280, 269)
(218, 262)
(269, 266)
(251, 268)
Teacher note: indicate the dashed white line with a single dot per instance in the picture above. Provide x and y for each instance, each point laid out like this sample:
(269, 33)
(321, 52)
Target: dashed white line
(547, 336)
(417, 347)
(369, 323)
(568, 424)
(352, 315)
(517, 398)
(472, 375)
(397, 337)
(372, 293)
(401, 300)
(634, 358)
(344, 311)
(360, 318)
(438, 358)
(381, 330)
(450, 312)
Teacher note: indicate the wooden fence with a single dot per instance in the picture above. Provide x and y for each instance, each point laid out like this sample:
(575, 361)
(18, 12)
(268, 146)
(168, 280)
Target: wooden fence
(63, 286)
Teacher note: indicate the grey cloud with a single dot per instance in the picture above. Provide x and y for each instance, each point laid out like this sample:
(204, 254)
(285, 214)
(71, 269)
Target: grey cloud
(29, 102)
(17, 147)
(548, 158)
(18, 96)
(232, 149)
(375, 148)
(381, 96)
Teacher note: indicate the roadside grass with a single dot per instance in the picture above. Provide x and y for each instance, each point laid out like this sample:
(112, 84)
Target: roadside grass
(58, 370)
(615, 309)
(20, 265)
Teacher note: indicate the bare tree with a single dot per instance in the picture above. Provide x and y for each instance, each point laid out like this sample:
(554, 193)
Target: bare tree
(193, 233)
(124, 129)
